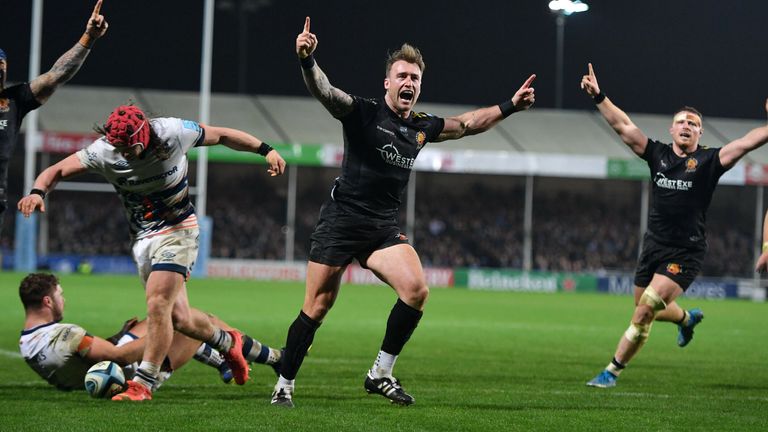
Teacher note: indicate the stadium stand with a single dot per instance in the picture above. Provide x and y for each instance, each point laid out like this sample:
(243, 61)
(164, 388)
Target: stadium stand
(462, 220)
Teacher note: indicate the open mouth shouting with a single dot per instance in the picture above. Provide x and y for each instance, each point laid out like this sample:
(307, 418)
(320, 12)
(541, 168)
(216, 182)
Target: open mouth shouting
(406, 95)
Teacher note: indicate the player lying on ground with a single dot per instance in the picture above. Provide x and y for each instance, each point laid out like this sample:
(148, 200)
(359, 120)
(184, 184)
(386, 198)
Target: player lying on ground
(61, 353)
(145, 160)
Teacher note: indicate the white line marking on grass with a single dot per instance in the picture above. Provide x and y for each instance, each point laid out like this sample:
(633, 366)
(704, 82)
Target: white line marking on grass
(665, 396)
(11, 354)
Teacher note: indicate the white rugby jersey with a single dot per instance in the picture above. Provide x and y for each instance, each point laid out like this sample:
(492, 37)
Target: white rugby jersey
(56, 352)
(154, 190)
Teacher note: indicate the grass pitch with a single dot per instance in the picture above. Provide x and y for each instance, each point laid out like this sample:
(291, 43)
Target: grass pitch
(478, 361)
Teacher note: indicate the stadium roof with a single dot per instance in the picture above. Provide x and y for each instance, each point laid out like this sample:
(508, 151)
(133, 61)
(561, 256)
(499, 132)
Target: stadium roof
(302, 120)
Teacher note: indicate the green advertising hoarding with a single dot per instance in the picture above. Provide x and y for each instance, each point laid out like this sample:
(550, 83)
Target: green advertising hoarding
(630, 169)
(517, 280)
(294, 154)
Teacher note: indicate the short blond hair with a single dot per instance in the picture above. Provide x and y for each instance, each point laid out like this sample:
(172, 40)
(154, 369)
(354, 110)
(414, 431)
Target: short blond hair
(408, 53)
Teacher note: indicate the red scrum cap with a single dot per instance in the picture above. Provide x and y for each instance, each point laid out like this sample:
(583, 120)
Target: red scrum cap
(127, 126)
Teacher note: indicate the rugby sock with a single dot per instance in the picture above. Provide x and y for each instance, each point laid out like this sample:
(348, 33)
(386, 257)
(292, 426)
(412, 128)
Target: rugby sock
(284, 383)
(400, 326)
(256, 352)
(383, 365)
(221, 340)
(685, 319)
(207, 355)
(615, 367)
(146, 375)
(300, 337)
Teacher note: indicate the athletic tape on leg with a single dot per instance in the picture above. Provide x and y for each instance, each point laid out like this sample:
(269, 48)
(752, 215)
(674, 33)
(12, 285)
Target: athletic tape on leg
(638, 333)
(651, 298)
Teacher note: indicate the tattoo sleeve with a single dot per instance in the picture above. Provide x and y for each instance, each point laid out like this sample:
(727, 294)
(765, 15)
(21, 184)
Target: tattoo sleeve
(337, 102)
(62, 71)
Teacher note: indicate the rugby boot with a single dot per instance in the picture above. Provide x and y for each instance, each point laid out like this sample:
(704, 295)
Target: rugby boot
(685, 333)
(389, 387)
(135, 392)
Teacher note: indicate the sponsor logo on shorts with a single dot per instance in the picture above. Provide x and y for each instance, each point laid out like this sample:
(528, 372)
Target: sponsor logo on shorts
(674, 269)
(691, 164)
(168, 255)
(3, 124)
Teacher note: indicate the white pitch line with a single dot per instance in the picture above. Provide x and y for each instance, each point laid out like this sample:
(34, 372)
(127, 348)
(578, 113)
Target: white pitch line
(11, 354)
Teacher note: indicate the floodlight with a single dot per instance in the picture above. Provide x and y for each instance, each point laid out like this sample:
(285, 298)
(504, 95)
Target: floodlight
(567, 7)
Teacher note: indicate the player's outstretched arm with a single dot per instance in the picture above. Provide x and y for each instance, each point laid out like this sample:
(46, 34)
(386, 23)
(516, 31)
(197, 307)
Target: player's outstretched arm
(125, 354)
(735, 150)
(336, 101)
(616, 118)
(68, 64)
(46, 182)
(483, 119)
(243, 141)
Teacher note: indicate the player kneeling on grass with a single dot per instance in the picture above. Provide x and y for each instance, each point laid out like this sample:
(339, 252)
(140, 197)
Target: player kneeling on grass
(145, 160)
(61, 353)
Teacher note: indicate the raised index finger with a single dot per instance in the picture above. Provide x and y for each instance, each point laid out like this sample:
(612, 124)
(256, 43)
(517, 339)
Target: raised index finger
(97, 8)
(591, 71)
(306, 24)
(529, 81)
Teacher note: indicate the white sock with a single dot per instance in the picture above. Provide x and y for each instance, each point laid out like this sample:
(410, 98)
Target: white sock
(147, 374)
(284, 383)
(383, 365)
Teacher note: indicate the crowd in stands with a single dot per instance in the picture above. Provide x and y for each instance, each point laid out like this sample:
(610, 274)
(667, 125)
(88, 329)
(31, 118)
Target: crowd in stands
(477, 226)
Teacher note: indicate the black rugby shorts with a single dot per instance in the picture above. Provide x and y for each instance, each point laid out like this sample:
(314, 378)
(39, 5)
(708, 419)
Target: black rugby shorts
(682, 265)
(342, 234)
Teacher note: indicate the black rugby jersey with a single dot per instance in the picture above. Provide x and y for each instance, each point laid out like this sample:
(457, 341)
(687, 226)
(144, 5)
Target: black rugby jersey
(682, 191)
(379, 151)
(15, 102)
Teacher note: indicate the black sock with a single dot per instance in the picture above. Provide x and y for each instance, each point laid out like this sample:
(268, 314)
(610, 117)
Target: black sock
(300, 337)
(400, 326)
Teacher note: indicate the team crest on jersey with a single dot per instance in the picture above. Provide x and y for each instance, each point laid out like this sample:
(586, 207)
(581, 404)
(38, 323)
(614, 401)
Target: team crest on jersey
(674, 269)
(421, 138)
(4, 105)
(691, 164)
(401, 237)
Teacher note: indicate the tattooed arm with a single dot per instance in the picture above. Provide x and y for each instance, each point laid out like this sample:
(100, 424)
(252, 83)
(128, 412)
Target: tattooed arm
(336, 101)
(68, 64)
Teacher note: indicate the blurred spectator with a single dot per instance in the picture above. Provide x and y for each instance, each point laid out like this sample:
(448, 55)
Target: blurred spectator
(460, 221)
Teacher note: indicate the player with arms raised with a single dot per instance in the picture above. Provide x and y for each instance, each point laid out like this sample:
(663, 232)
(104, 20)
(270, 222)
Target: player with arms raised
(684, 176)
(18, 100)
(382, 138)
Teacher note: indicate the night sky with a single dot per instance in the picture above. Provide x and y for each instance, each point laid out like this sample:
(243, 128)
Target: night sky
(650, 56)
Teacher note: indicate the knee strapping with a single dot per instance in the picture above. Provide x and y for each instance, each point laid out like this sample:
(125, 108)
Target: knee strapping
(651, 298)
(638, 333)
